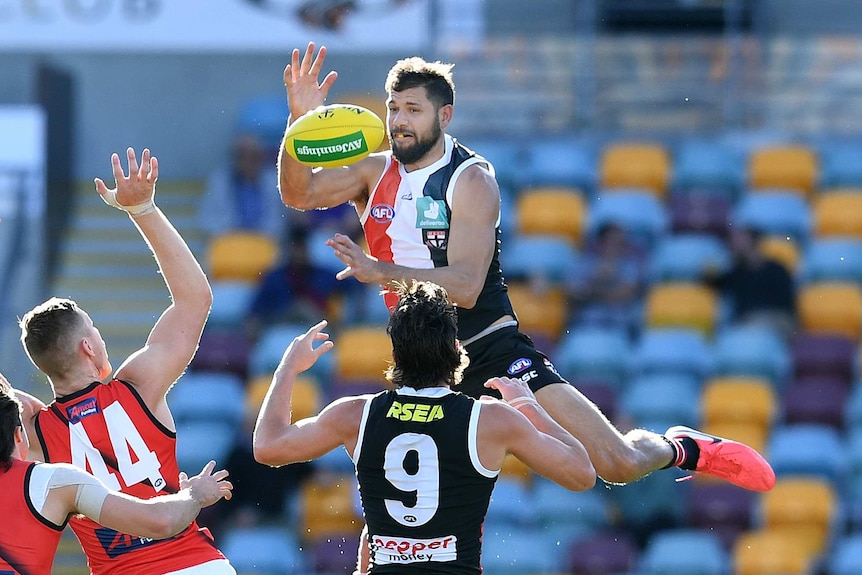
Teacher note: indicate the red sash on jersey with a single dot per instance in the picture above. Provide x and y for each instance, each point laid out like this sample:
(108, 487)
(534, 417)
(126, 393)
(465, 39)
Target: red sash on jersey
(82, 429)
(28, 541)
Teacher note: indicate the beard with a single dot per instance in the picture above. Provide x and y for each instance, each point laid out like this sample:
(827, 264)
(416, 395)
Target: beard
(412, 153)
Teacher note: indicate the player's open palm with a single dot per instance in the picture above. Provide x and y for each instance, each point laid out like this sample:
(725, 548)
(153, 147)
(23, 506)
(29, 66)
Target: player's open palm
(304, 93)
(301, 354)
(134, 189)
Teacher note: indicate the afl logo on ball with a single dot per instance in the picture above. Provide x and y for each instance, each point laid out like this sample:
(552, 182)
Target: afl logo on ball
(382, 213)
(519, 365)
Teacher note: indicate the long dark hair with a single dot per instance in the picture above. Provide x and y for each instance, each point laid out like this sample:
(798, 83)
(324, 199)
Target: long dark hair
(423, 328)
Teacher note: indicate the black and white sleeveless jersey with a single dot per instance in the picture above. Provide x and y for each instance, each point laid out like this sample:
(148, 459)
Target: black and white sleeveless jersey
(424, 492)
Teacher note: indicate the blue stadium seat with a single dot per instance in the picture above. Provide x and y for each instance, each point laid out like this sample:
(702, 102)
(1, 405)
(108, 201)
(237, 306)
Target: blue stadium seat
(708, 167)
(208, 396)
(270, 348)
(550, 257)
(660, 401)
(832, 259)
(752, 351)
(781, 213)
(263, 550)
(652, 503)
(846, 555)
(672, 351)
(840, 166)
(639, 212)
(853, 409)
(231, 301)
(689, 551)
(266, 117)
(594, 354)
(511, 504)
(560, 161)
(200, 441)
(554, 506)
(686, 257)
(517, 550)
(807, 449)
(505, 154)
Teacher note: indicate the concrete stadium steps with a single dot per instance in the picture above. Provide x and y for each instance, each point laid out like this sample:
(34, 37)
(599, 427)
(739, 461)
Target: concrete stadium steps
(107, 268)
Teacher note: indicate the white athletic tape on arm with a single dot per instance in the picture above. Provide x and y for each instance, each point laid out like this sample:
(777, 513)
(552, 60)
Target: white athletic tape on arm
(142, 209)
(91, 493)
(520, 402)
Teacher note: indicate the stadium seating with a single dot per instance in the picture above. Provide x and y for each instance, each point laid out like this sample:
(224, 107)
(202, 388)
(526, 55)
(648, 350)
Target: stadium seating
(555, 211)
(509, 550)
(707, 167)
(846, 558)
(661, 401)
(699, 214)
(839, 166)
(765, 552)
(240, 256)
(782, 214)
(804, 509)
(831, 308)
(335, 553)
(638, 212)
(265, 117)
(603, 553)
(594, 354)
(542, 313)
(686, 257)
(807, 449)
(270, 348)
(546, 257)
(635, 165)
(689, 551)
(815, 399)
(263, 550)
(671, 351)
(823, 354)
(559, 161)
(781, 249)
(231, 301)
(792, 167)
(555, 506)
(362, 353)
(833, 259)
(199, 441)
(751, 351)
(507, 157)
(512, 501)
(739, 400)
(838, 214)
(721, 508)
(327, 506)
(681, 305)
(221, 349)
(208, 396)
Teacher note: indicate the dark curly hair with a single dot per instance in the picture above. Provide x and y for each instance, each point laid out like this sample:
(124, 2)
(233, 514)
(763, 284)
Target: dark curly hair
(423, 328)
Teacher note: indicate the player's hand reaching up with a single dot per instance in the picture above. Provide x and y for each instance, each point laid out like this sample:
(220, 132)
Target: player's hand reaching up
(301, 354)
(511, 389)
(301, 79)
(133, 193)
(207, 487)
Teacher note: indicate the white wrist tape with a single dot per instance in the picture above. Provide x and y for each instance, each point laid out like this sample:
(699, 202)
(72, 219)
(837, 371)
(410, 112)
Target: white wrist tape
(91, 492)
(520, 402)
(142, 209)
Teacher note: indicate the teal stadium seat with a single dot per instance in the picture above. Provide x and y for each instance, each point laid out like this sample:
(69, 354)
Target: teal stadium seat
(637, 211)
(840, 166)
(832, 259)
(660, 401)
(550, 257)
(782, 213)
(264, 550)
(808, 450)
(672, 351)
(559, 161)
(689, 551)
(708, 167)
(752, 351)
(594, 354)
(686, 257)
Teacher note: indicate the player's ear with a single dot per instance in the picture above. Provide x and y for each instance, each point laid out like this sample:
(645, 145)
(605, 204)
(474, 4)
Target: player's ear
(86, 347)
(444, 115)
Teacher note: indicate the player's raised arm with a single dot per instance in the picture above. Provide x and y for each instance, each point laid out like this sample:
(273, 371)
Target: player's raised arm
(299, 186)
(174, 338)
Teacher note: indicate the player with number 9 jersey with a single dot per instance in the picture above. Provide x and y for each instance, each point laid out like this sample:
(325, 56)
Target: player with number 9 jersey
(107, 430)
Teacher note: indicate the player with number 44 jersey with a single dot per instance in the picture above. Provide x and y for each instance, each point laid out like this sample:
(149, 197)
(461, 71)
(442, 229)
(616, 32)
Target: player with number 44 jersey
(122, 431)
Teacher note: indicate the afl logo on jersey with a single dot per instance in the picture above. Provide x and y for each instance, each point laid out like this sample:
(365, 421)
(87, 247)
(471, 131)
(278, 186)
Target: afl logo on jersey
(382, 213)
(519, 365)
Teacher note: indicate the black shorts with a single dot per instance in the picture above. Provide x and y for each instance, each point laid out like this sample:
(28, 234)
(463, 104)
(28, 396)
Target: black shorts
(506, 353)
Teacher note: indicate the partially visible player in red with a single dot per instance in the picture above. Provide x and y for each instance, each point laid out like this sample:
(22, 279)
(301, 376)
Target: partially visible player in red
(122, 431)
(37, 500)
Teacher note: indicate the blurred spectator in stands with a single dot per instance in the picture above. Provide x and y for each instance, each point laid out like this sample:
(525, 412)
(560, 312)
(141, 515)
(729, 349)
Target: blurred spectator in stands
(243, 195)
(759, 290)
(297, 289)
(608, 281)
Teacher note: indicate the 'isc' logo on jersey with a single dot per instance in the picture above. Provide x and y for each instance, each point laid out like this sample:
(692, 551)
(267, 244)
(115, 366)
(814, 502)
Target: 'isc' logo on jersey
(382, 213)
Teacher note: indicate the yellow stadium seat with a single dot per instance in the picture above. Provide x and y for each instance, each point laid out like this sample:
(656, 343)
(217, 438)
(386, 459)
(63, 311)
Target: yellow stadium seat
(556, 211)
(765, 552)
(838, 214)
(241, 256)
(681, 304)
(541, 313)
(646, 166)
(738, 400)
(831, 307)
(781, 249)
(752, 434)
(362, 353)
(516, 469)
(793, 167)
(305, 401)
(327, 506)
(802, 508)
